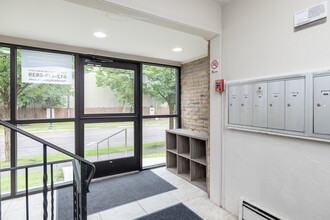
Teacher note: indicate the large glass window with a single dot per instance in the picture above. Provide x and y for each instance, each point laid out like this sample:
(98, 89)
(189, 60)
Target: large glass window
(108, 90)
(5, 114)
(5, 159)
(107, 141)
(154, 137)
(45, 85)
(4, 83)
(31, 152)
(159, 90)
(45, 90)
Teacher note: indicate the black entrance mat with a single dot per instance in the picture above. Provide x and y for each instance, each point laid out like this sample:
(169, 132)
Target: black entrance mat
(176, 212)
(113, 192)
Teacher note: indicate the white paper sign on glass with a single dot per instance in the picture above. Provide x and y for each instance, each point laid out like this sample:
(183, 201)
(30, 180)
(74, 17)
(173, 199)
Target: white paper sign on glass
(44, 67)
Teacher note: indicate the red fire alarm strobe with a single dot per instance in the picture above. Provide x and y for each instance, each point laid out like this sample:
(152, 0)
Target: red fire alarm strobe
(220, 85)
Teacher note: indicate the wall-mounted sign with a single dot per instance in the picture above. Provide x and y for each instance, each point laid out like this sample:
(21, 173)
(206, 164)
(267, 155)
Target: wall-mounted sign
(215, 66)
(311, 14)
(43, 67)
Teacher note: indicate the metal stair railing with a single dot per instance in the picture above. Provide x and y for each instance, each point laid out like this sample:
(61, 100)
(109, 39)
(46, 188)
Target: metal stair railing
(81, 181)
(108, 143)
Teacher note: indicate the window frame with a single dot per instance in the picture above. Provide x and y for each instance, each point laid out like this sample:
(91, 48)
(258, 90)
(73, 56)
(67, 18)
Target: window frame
(80, 119)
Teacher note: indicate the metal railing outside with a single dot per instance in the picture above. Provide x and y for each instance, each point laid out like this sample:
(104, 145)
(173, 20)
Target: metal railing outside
(108, 143)
(80, 185)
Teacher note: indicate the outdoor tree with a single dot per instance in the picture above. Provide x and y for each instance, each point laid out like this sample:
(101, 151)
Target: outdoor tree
(27, 93)
(161, 85)
(5, 94)
(121, 83)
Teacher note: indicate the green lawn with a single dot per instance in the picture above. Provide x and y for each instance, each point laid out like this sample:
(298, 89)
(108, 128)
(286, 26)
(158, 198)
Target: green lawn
(57, 157)
(159, 154)
(35, 179)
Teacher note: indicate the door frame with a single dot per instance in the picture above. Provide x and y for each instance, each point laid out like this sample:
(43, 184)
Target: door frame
(120, 165)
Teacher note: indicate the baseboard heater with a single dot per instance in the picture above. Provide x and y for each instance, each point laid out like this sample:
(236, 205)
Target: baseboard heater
(251, 211)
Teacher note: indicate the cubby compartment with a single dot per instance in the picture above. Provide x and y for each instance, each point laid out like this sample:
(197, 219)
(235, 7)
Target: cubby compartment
(184, 167)
(171, 161)
(198, 175)
(171, 142)
(183, 146)
(198, 151)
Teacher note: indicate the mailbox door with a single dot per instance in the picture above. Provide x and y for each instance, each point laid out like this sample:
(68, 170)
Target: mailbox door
(276, 105)
(234, 105)
(322, 105)
(246, 105)
(259, 108)
(295, 105)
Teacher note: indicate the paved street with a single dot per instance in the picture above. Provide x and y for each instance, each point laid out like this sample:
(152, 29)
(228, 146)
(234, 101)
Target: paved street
(65, 139)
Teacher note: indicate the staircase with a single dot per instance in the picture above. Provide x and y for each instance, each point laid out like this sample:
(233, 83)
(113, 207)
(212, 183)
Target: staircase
(83, 172)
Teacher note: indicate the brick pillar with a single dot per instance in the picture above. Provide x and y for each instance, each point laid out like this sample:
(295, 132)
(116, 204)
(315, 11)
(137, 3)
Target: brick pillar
(195, 98)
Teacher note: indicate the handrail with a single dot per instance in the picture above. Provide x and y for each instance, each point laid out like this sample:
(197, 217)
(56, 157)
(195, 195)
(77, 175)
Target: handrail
(93, 169)
(111, 135)
(107, 138)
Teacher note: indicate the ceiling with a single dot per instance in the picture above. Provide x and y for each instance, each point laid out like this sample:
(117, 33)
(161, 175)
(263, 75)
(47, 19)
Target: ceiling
(66, 23)
(222, 2)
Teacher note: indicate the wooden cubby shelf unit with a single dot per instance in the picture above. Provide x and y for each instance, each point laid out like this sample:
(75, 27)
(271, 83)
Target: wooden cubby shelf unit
(186, 155)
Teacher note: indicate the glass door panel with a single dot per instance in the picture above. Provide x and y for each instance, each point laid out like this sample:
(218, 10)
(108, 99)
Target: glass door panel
(109, 141)
(108, 90)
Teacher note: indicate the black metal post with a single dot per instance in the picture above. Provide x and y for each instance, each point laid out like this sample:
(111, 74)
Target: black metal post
(69, 110)
(45, 190)
(51, 111)
(0, 198)
(52, 189)
(27, 192)
(13, 112)
(83, 195)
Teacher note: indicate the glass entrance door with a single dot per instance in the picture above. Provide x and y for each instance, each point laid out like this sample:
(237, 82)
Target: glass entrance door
(109, 115)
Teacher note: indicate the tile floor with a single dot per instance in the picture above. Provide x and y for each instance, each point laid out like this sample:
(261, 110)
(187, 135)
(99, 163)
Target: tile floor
(193, 197)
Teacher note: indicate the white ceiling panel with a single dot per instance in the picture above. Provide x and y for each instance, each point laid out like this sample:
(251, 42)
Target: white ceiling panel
(62, 22)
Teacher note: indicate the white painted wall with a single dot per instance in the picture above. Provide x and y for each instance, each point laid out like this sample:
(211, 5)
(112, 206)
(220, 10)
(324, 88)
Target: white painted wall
(287, 175)
(215, 139)
(202, 14)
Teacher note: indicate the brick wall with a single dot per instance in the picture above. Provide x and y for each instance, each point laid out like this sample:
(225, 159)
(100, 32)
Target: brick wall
(195, 95)
(195, 100)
